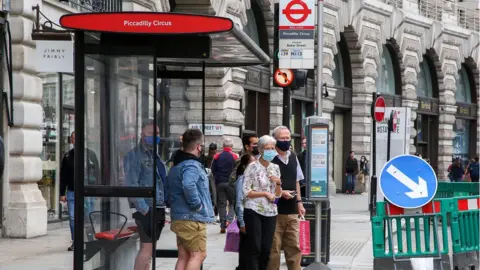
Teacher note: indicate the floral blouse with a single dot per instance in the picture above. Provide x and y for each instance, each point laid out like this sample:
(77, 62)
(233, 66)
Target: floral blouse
(256, 179)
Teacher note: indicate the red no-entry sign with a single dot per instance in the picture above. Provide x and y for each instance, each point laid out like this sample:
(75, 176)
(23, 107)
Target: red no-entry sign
(291, 9)
(379, 109)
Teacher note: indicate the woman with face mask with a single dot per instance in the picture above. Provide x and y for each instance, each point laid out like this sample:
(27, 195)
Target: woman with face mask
(261, 187)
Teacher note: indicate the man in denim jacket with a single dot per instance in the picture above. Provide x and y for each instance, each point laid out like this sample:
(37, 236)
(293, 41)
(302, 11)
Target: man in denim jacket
(138, 165)
(191, 206)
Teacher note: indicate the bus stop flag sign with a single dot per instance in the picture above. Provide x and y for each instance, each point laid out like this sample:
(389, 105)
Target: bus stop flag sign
(408, 182)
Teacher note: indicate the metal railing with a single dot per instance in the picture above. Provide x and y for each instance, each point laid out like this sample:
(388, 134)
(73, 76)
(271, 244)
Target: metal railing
(439, 10)
(394, 3)
(468, 18)
(93, 5)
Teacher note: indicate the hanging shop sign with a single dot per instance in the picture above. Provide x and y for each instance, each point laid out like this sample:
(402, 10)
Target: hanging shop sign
(296, 34)
(54, 56)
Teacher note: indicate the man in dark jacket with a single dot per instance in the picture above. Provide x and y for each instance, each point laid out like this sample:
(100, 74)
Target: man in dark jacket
(67, 183)
(302, 159)
(473, 170)
(351, 170)
(222, 166)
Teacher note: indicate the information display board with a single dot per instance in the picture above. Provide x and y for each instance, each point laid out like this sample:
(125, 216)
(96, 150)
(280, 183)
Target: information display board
(317, 161)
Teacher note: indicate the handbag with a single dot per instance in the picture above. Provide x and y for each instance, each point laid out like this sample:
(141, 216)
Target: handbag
(304, 236)
(232, 241)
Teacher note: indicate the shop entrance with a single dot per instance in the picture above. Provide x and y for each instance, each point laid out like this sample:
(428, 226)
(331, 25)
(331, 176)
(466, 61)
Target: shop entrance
(125, 64)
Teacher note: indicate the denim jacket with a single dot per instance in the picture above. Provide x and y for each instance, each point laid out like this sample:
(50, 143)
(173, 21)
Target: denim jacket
(189, 194)
(239, 200)
(138, 166)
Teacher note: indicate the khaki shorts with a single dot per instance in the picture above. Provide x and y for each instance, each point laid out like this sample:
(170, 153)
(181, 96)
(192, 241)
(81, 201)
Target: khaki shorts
(191, 235)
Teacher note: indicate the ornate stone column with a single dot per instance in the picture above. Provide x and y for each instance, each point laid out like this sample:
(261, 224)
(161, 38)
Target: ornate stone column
(448, 109)
(25, 213)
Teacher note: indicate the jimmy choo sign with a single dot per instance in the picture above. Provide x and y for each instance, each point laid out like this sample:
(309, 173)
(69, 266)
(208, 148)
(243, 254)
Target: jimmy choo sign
(54, 56)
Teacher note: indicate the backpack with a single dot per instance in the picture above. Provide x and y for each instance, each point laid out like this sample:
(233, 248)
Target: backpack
(474, 167)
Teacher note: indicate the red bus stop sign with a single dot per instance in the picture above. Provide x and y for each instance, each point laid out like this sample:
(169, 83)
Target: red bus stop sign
(379, 109)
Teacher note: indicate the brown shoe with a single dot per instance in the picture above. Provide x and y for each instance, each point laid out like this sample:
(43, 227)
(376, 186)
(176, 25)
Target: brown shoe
(222, 230)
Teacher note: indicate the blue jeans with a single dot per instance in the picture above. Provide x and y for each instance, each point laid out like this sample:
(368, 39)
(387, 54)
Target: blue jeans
(71, 211)
(351, 182)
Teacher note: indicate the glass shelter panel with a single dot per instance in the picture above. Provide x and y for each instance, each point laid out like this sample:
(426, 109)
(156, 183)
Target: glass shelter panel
(120, 153)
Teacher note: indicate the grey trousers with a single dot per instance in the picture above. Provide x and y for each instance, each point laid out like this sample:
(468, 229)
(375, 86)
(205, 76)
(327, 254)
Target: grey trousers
(225, 193)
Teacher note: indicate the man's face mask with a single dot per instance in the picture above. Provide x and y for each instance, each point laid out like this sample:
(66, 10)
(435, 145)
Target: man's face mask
(255, 150)
(150, 139)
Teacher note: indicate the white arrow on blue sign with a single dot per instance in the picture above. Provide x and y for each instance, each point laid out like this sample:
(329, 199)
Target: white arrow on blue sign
(408, 181)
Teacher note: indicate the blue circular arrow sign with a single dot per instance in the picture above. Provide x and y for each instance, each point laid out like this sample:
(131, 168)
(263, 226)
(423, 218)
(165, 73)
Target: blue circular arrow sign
(408, 181)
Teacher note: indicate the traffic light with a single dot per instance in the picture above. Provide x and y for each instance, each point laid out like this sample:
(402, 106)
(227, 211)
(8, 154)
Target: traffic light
(299, 79)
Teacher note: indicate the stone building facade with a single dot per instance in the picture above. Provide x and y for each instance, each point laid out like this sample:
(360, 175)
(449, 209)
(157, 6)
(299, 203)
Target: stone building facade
(369, 46)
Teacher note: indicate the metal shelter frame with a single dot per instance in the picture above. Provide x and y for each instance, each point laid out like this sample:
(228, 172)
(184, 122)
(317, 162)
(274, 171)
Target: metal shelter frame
(187, 48)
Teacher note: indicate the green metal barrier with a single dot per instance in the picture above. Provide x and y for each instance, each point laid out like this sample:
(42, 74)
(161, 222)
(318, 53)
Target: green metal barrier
(451, 190)
(420, 235)
(465, 232)
(407, 246)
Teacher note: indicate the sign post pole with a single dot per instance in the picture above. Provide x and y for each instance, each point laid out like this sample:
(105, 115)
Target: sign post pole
(318, 204)
(389, 134)
(373, 179)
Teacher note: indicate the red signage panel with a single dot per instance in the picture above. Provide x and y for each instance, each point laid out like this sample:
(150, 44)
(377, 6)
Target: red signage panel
(146, 23)
(379, 109)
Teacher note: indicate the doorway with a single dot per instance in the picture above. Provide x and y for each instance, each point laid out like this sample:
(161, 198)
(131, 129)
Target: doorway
(342, 144)
(427, 138)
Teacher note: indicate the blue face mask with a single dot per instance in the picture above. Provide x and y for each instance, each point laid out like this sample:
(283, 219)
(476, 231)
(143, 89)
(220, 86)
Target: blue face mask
(149, 139)
(269, 155)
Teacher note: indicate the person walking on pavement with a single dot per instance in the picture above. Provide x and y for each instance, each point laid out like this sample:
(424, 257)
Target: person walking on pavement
(67, 183)
(139, 171)
(351, 170)
(456, 170)
(302, 158)
(261, 187)
(245, 160)
(191, 206)
(289, 205)
(474, 170)
(222, 166)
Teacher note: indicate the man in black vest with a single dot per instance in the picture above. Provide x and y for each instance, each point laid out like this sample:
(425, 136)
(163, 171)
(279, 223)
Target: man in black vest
(289, 205)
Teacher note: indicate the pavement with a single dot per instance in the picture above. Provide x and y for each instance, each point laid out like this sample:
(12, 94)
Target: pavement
(350, 245)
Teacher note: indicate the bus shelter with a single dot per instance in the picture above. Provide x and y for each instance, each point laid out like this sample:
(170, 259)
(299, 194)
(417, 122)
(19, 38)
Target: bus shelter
(126, 65)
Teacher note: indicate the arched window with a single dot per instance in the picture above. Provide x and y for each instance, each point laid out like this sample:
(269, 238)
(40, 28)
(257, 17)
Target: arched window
(386, 79)
(463, 93)
(338, 74)
(424, 77)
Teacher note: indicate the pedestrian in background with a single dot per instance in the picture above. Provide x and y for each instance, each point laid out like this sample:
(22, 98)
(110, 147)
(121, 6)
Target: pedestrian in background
(262, 185)
(67, 185)
(351, 171)
(456, 171)
(222, 167)
(473, 170)
(245, 160)
(139, 172)
(191, 206)
(302, 158)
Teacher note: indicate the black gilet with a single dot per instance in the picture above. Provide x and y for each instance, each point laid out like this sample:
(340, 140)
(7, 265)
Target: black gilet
(289, 182)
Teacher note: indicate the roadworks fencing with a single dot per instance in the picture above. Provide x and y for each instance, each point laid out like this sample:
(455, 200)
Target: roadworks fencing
(443, 234)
